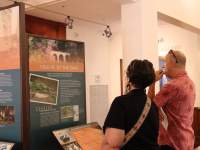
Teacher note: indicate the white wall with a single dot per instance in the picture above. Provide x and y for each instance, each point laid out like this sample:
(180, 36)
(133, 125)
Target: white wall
(96, 56)
(185, 10)
(103, 55)
(115, 49)
(102, 61)
(186, 41)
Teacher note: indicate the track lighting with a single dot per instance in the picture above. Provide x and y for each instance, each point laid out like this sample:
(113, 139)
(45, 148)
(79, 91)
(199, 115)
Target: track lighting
(107, 32)
(69, 22)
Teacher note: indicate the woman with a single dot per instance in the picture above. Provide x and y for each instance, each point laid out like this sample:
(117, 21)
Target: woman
(126, 110)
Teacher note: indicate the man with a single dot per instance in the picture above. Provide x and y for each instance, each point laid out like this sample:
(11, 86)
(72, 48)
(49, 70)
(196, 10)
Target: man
(176, 98)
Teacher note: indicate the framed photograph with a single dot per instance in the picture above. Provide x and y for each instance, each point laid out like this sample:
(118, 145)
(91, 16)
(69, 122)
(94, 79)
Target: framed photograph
(67, 112)
(43, 89)
(7, 115)
(72, 146)
(64, 137)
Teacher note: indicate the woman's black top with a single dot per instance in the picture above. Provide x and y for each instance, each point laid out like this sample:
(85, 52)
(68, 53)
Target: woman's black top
(124, 113)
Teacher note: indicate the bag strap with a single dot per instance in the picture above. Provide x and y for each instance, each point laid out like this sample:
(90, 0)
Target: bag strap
(139, 122)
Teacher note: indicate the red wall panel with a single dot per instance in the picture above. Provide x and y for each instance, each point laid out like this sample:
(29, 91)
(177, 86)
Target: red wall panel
(46, 28)
(196, 126)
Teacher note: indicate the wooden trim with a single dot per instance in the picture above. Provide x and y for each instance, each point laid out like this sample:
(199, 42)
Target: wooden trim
(196, 124)
(24, 81)
(43, 19)
(178, 23)
(9, 6)
(85, 84)
(121, 76)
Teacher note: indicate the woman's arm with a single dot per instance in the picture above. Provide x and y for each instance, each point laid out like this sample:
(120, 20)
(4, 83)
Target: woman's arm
(113, 139)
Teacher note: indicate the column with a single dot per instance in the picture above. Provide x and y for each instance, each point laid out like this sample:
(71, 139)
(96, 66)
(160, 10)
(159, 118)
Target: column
(139, 31)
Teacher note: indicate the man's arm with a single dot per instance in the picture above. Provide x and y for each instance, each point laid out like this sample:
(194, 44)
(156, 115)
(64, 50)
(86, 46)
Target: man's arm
(113, 139)
(151, 91)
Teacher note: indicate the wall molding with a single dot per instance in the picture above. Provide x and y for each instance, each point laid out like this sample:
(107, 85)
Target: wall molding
(178, 23)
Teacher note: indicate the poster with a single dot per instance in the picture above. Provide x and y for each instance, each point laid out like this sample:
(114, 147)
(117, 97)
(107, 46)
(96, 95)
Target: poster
(9, 38)
(10, 75)
(84, 137)
(57, 88)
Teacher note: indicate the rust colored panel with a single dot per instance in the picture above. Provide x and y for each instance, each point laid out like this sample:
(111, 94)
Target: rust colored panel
(196, 126)
(46, 28)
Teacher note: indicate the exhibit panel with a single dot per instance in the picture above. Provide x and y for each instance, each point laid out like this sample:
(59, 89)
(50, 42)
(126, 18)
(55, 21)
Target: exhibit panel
(10, 74)
(57, 88)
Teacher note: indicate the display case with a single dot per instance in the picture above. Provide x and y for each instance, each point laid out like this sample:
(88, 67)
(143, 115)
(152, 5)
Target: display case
(84, 137)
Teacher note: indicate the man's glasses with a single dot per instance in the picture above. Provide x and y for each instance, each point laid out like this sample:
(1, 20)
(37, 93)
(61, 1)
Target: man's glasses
(172, 53)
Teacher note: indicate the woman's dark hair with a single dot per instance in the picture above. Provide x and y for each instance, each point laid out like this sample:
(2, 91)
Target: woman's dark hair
(140, 73)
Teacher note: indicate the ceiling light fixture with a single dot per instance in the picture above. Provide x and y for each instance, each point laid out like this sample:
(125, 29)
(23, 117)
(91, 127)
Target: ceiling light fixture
(107, 32)
(69, 22)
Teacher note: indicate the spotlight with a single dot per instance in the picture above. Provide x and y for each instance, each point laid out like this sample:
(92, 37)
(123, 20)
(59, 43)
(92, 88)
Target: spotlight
(69, 22)
(107, 32)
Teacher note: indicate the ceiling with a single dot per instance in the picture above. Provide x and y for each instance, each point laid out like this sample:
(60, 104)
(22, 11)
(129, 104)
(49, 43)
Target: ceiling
(102, 11)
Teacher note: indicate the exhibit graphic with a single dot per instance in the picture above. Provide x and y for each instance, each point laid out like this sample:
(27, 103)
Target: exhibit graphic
(67, 112)
(64, 137)
(43, 89)
(72, 146)
(7, 115)
(55, 55)
(57, 88)
(9, 39)
(70, 112)
(10, 75)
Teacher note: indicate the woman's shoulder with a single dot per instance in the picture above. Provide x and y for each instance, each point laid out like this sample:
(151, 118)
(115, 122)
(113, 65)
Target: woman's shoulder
(119, 100)
(123, 99)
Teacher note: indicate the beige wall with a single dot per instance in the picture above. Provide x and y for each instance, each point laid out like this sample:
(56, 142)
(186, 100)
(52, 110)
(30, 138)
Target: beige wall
(115, 54)
(103, 55)
(185, 10)
(96, 61)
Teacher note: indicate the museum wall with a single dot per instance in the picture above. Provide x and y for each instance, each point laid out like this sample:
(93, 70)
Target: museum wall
(97, 67)
(115, 54)
(102, 66)
(185, 10)
(178, 38)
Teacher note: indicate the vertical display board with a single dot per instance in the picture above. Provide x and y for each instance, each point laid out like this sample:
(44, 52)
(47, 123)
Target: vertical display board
(10, 75)
(57, 88)
(164, 79)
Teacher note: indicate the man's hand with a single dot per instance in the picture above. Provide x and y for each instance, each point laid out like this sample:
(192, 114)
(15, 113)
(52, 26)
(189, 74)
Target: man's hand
(159, 75)
(161, 115)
